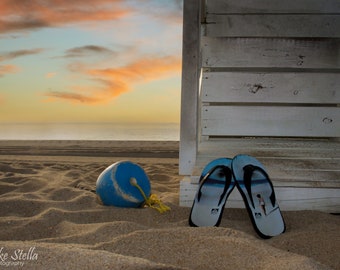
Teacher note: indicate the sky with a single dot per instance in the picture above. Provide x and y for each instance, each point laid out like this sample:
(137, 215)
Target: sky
(90, 61)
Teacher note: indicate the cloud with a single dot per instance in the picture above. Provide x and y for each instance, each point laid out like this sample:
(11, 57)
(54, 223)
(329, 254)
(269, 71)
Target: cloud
(28, 15)
(144, 69)
(116, 81)
(50, 75)
(87, 50)
(20, 15)
(5, 69)
(71, 96)
(15, 54)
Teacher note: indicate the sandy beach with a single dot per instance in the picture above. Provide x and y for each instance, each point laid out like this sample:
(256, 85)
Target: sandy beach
(51, 217)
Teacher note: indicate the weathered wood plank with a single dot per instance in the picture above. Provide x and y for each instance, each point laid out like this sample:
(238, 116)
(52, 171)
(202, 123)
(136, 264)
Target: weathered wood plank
(270, 53)
(322, 199)
(289, 162)
(286, 172)
(271, 87)
(189, 93)
(273, 144)
(300, 180)
(315, 150)
(282, 165)
(273, 6)
(270, 121)
(276, 25)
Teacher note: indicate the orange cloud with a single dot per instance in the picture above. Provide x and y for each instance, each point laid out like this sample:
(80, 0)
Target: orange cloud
(5, 69)
(116, 81)
(50, 75)
(142, 70)
(18, 15)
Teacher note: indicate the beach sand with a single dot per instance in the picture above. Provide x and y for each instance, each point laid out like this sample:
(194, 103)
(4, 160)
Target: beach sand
(51, 217)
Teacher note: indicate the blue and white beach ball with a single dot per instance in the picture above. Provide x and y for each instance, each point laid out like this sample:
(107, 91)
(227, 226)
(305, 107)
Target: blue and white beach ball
(114, 185)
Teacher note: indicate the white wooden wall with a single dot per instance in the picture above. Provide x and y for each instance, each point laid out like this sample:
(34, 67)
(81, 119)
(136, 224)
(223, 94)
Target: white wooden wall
(261, 69)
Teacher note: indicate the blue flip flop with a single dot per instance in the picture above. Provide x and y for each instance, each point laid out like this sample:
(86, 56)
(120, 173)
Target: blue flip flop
(258, 194)
(216, 183)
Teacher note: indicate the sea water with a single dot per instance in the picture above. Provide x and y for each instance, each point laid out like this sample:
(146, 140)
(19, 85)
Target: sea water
(90, 131)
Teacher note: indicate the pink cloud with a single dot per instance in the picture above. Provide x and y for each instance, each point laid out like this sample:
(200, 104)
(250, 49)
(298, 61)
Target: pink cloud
(116, 81)
(6, 69)
(50, 75)
(18, 15)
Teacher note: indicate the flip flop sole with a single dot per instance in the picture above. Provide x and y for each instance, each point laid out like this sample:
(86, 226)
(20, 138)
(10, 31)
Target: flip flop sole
(212, 195)
(258, 194)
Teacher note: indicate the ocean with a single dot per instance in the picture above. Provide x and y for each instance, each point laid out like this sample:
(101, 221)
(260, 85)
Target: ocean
(90, 131)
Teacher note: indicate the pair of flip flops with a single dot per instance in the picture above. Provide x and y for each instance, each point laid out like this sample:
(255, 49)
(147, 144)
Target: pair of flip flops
(217, 181)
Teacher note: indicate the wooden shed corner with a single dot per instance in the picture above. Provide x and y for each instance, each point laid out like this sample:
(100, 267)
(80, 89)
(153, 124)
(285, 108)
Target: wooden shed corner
(263, 78)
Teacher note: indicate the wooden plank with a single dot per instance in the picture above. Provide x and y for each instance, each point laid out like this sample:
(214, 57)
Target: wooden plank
(273, 148)
(321, 199)
(306, 161)
(290, 199)
(273, 6)
(289, 162)
(273, 25)
(287, 173)
(283, 166)
(270, 121)
(291, 172)
(270, 53)
(299, 180)
(270, 87)
(189, 92)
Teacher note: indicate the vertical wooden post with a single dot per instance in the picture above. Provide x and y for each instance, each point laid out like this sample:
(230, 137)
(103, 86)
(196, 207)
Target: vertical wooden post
(190, 79)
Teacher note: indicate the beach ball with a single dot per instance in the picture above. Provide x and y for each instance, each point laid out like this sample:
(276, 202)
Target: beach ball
(115, 185)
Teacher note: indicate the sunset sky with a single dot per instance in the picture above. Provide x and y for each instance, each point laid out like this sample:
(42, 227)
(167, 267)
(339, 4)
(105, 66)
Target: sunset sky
(90, 61)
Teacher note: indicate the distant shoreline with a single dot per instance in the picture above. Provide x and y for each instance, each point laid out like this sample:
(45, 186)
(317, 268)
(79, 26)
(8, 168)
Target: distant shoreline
(90, 131)
(91, 148)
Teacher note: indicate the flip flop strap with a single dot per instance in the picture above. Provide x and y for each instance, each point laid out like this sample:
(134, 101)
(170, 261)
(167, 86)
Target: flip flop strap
(228, 175)
(248, 173)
